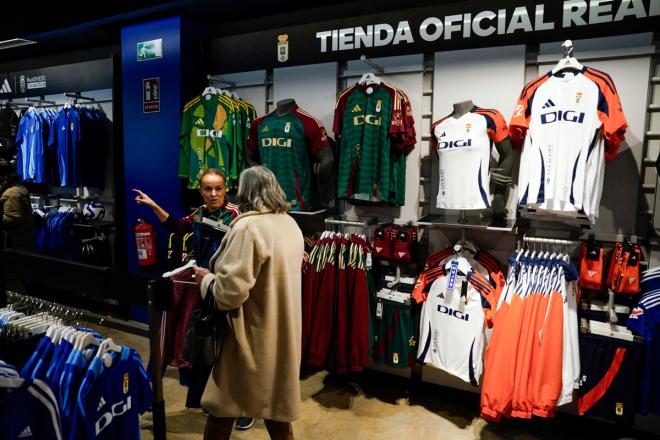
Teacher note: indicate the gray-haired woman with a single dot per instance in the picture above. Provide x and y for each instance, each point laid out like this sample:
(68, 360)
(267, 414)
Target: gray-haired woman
(256, 277)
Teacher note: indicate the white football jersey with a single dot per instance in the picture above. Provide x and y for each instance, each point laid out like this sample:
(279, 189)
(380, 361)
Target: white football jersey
(464, 146)
(570, 123)
(452, 335)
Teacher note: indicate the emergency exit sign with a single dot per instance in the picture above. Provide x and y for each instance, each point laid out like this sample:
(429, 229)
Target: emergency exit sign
(150, 50)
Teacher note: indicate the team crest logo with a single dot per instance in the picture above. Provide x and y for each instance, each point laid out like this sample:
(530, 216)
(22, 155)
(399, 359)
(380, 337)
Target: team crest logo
(72, 126)
(125, 384)
(395, 358)
(636, 312)
(287, 127)
(378, 105)
(265, 129)
(578, 97)
(357, 109)
(468, 127)
(282, 48)
(411, 341)
(619, 409)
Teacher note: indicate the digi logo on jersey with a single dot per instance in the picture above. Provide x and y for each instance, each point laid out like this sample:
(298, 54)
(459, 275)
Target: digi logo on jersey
(560, 115)
(367, 119)
(276, 142)
(116, 410)
(205, 132)
(444, 145)
(455, 313)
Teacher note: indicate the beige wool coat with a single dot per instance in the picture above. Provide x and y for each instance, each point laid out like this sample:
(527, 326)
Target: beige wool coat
(257, 278)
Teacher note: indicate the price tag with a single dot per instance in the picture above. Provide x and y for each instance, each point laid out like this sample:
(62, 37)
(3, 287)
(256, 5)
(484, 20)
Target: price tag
(452, 276)
(369, 262)
(379, 310)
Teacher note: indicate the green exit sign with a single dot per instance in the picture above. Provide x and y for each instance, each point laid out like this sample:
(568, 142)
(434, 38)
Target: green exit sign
(150, 50)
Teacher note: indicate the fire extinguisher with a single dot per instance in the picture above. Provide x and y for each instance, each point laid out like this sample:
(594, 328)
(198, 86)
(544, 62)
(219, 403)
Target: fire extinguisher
(145, 239)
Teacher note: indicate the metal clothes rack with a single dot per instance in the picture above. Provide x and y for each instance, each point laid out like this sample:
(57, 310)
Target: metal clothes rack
(53, 280)
(377, 67)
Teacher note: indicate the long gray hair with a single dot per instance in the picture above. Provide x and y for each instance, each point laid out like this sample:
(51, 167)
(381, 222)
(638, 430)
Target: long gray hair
(258, 190)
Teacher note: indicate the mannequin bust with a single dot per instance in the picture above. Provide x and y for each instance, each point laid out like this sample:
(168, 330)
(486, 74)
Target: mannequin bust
(500, 176)
(285, 106)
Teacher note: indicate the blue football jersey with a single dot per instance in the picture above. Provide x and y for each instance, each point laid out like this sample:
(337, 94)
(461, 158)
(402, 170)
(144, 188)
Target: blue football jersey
(37, 366)
(28, 409)
(30, 148)
(111, 398)
(644, 320)
(71, 379)
(65, 134)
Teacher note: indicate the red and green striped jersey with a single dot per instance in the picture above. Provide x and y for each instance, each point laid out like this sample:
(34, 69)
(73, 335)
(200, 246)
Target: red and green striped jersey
(207, 139)
(286, 144)
(375, 135)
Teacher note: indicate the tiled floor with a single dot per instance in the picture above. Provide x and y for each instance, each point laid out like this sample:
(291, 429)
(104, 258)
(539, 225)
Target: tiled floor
(380, 407)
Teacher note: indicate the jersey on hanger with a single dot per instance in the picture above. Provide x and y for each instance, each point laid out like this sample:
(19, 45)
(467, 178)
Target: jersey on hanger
(464, 146)
(366, 121)
(28, 408)
(206, 138)
(286, 145)
(570, 123)
(452, 324)
(111, 398)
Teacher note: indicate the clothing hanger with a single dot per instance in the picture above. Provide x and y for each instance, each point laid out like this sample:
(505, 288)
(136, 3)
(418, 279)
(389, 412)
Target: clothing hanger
(369, 78)
(569, 62)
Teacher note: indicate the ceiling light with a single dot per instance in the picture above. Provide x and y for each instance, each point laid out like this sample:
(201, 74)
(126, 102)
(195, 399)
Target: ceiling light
(15, 42)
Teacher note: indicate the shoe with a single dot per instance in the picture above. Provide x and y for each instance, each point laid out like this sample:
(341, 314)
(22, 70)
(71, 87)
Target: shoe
(244, 423)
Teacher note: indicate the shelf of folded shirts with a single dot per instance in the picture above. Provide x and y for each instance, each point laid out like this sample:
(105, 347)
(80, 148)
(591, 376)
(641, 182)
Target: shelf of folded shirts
(469, 221)
(608, 329)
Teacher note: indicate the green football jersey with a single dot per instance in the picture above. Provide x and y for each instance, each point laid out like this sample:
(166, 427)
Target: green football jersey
(364, 121)
(286, 145)
(206, 138)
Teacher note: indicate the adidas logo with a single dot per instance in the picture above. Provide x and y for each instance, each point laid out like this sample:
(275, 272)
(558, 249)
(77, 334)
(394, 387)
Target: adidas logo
(443, 134)
(265, 129)
(101, 403)
(402, 254)
(631, 279)
(357, 109)
(200, 121)
(548, 104)
(592, 273)
(6, 89)
(27, 432)
(379, 249)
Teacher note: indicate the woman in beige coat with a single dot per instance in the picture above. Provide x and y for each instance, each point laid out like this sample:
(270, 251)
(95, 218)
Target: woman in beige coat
(256, 277)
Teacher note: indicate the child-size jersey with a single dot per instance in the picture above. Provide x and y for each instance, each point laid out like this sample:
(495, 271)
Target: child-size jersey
(452, 324)
(570, 123)
(111, 398)
(28, 408)
(286, 144)
(464, 146)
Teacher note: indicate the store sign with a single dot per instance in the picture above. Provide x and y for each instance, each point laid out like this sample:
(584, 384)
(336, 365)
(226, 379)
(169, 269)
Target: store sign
(151, 95)
(485, 24)
(87, 75)
(445, 26)
(150, 50)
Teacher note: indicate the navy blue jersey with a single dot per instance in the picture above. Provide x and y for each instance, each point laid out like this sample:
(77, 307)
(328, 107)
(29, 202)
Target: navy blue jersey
(644, 320)
(111, 398)
(28, 409)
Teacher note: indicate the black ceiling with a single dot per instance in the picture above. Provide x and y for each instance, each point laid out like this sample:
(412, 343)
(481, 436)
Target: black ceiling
(63, 27)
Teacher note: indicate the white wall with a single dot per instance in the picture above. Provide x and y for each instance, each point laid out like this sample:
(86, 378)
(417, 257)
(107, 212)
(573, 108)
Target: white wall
(255, 94)
(314, 87)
